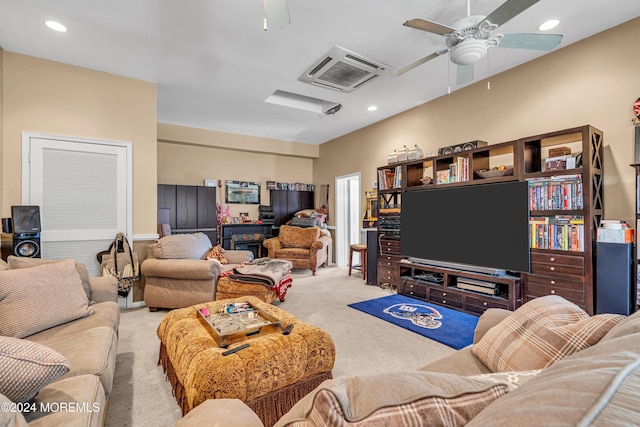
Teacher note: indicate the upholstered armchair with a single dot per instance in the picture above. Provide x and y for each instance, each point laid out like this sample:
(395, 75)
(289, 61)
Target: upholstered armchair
(304, 247)
(177, 273)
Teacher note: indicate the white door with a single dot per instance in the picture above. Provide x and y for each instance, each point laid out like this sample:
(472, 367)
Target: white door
(83, 189)
(347, 216)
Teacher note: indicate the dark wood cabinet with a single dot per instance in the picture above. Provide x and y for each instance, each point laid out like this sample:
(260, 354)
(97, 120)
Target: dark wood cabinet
(191, 208)
(285, 203)
(388, 258)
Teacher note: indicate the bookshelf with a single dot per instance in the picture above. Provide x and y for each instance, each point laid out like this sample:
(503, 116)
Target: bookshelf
(566, 206)
(636, 166)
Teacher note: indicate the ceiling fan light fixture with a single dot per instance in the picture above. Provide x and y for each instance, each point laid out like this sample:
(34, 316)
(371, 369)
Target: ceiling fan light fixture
(468, 52)
(549, 25)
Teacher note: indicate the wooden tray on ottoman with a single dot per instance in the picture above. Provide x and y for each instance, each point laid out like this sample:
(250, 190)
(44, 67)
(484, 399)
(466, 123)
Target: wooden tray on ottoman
(234, 322)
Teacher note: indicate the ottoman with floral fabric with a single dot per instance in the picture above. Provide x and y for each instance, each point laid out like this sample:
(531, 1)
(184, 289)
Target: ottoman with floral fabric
(270, 375)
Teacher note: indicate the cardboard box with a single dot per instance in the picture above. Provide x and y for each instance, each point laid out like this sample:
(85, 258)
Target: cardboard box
(608, 235)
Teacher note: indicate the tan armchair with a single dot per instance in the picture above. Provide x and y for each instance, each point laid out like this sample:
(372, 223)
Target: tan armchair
(304, 247)
(177, 273)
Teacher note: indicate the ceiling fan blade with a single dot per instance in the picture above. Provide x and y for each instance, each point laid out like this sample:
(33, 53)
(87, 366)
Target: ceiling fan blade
(508, 10)
(413, 65)
(430, 26)
(277, 13)
(531, 41)
(464, 74)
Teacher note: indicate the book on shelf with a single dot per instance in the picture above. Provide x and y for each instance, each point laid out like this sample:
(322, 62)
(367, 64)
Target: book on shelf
(562, 192)
(389, 178)
(559, 232)
(442, 176)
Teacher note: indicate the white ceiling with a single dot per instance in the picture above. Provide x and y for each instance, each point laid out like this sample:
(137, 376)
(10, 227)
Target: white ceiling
(214, 65)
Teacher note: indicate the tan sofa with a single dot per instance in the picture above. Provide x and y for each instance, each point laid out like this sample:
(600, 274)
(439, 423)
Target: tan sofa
(177, 273)
(586, 371)
(304, 247)
(69, 365)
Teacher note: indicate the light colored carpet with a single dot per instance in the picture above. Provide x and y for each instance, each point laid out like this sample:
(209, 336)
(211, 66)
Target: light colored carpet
(142, 396)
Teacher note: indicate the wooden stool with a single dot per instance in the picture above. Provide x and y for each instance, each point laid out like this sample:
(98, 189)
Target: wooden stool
(362, 249)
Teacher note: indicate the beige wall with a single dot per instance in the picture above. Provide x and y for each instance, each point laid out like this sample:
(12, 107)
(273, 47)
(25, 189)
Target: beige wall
(591, 82)
(53, 98)
(188, 156)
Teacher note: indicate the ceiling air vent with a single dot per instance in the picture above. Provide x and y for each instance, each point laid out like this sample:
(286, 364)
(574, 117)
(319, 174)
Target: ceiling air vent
(342, 70)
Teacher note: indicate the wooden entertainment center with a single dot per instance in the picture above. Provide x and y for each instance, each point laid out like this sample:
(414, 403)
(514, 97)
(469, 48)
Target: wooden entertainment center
(566, 206)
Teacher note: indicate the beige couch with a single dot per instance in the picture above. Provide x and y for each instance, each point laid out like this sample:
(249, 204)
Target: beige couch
(177, 273)
(572, 369)
(304, 247)
(61, 375)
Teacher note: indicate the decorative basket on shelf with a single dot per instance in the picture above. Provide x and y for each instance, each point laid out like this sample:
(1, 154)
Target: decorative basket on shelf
(494, 173)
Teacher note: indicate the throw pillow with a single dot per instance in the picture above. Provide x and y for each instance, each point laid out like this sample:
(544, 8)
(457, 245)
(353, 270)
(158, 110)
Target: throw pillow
(27, 367)
(38, 298)
(393, 399)
(591, 391)
(539, 333)
(181, 246)
(217, 252)
(16, 262)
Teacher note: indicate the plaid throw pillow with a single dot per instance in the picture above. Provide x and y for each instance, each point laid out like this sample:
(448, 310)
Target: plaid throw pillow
(539, 333)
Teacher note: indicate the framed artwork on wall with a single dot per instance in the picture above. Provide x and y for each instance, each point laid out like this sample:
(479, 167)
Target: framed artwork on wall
(242, 192)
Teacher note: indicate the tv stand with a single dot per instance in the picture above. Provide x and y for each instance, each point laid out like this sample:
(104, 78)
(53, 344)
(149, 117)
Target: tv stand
(453, 288)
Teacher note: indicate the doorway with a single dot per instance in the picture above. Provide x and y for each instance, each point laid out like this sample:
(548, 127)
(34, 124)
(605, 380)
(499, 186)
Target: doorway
(347, 216)
(83, 188)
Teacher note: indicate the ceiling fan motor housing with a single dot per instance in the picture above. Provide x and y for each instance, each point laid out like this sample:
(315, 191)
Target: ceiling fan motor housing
(469, 51)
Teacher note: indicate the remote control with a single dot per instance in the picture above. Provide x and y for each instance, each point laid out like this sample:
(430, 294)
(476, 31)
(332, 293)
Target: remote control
(234, 350)
(288, 329)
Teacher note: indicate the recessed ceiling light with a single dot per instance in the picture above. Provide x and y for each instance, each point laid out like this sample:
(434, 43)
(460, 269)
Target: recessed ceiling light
(548, 25)
(372, 107)
(56, 26)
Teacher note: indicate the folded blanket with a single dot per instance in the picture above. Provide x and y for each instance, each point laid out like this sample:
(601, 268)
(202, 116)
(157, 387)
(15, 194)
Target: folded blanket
(267, 271)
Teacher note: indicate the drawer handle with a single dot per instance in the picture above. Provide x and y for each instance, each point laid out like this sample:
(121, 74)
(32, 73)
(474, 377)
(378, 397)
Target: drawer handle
(484, 303)
(552, 259)
(411, 292)
(552, 268)
(553, 291)
(553, 282)
(444, 294)
(388, 263)
(444, 301)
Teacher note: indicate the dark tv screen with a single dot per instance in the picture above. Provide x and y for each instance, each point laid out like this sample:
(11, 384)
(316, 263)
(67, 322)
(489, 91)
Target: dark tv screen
(481, 225)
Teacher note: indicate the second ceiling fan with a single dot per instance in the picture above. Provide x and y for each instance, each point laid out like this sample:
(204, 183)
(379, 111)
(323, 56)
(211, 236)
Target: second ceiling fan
(468, 39)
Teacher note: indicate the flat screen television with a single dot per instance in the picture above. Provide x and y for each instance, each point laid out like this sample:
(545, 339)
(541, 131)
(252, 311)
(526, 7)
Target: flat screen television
(481, 225)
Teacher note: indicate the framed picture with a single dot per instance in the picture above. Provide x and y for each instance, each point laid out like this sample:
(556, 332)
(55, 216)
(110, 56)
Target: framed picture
(242, 192)
(244, 217)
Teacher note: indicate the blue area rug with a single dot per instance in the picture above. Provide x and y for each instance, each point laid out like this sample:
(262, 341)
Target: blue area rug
(450, 327)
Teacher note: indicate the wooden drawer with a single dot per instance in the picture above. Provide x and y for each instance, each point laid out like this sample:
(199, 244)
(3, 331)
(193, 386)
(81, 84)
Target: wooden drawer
(572, 294)
(390, 261)
(549, 269)
(389, 246)
(543, 258)
(445, 297)
(534, 279)
(414, 289)
(388, 274)
(479, 304)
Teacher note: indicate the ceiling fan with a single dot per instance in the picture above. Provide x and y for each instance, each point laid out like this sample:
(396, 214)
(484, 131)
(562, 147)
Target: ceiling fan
(276, 14)
(469, 39)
